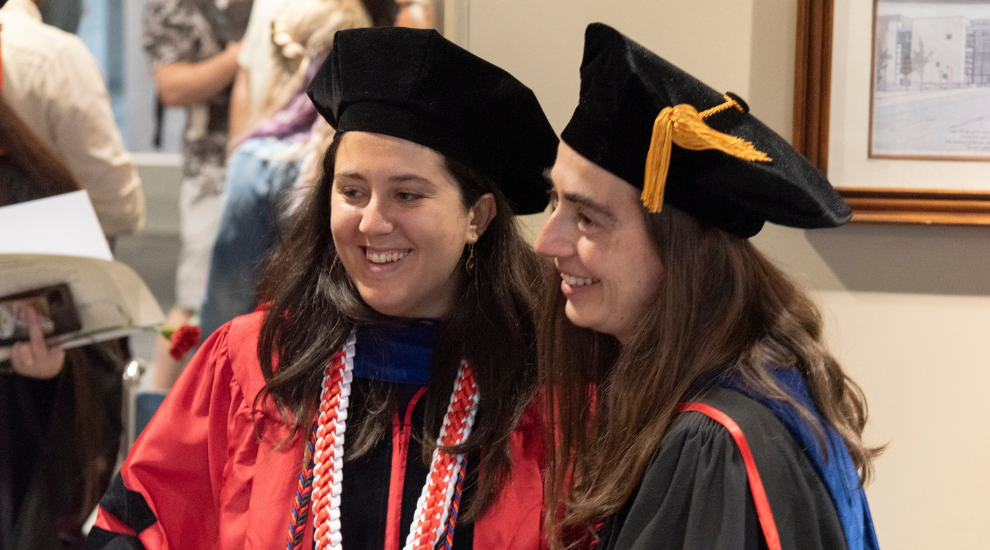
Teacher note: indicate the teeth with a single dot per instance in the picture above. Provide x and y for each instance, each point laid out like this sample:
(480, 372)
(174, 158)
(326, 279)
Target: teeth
(385, 257)
(576, 281)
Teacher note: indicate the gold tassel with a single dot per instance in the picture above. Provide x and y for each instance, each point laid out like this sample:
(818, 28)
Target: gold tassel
(686, 127)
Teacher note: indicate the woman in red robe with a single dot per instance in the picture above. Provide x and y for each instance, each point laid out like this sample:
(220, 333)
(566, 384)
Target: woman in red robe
(382, 397)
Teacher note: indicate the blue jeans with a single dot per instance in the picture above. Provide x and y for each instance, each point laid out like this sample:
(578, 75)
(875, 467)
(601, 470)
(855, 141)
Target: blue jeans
(256, 179)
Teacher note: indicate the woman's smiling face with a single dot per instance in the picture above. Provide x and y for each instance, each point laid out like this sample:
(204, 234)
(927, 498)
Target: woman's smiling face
(399, 224)
(598, 240)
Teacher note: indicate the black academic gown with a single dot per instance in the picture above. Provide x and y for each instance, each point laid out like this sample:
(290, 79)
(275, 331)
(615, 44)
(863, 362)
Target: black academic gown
(42, 494)
(364, 513)
(696, 493)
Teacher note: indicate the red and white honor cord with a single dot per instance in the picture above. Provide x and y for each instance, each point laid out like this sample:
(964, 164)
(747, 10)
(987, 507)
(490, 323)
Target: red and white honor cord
(433, 507)
(329, 455)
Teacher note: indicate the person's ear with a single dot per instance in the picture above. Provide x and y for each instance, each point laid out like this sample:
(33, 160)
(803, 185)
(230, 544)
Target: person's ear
(480, 215)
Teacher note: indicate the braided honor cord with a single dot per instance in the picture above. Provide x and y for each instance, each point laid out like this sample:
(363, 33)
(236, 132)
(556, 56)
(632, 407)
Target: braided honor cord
(329, 455)
(324, 471)
(300, 507)
(455, 507)
(434, 504)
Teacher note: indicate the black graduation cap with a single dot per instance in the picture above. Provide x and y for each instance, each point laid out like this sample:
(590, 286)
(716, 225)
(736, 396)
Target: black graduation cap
(689, 146)
(416, 85)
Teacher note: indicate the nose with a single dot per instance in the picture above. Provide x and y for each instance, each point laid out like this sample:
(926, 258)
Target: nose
(375, 219)
(553, 242)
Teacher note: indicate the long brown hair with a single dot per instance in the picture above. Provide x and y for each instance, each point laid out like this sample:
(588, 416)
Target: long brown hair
(27, 159)
(314, 305)
(721, 308)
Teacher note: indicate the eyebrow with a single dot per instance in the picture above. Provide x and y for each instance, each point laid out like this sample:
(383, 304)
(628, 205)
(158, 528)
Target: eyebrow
(398, 178)
(591, 205)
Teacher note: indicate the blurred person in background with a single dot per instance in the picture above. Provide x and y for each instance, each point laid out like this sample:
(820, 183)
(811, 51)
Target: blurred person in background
(415, 14)
(254, 63)
(193, 64)
(60, 410)
(268, 161)
(53, 83)
(257, 59)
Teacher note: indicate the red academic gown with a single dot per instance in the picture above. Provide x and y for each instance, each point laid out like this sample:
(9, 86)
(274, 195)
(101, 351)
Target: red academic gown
(209, 473)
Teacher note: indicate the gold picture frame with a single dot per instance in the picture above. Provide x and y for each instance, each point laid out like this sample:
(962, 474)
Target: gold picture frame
(898, 200)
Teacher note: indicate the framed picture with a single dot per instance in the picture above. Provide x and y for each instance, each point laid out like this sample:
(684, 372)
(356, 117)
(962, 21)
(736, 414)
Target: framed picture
(886, 107)
(930, 96)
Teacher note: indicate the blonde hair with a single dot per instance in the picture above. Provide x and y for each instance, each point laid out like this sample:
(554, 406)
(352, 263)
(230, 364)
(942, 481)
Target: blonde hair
(302, 33)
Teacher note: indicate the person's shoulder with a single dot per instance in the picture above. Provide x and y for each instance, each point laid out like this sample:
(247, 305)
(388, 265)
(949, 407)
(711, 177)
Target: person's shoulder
(798, 498)
(724, 423)
(700, 471)
(742, 410)
(28, 36)
(724, 413)
(694, 473)
(171, 13)
(167, 17)
(245, 325)
(241, 335)
(693, 433)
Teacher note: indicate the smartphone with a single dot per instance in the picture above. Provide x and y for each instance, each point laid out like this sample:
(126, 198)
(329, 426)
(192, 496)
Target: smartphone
(56, 311)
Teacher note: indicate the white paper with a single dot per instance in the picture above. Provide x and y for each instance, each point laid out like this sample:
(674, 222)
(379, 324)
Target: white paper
(64, 225)
(110, 298)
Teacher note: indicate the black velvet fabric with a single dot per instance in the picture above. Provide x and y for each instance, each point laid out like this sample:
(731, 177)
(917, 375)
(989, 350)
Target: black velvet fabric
(128, 506)
(624, 87)
(101, 538)
(416, 85)
(366, 484)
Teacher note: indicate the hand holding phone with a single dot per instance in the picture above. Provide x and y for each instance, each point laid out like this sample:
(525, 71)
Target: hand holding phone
(54, 306)
(34, 358)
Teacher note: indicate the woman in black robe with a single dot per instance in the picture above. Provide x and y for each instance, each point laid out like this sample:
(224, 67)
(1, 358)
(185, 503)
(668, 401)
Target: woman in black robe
(716, 416)
(60, 420)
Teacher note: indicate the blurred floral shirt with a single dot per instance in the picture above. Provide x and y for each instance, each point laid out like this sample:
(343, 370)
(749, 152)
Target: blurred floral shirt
(182, 30)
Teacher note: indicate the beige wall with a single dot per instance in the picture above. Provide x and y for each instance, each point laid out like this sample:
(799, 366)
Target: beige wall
(908, 307)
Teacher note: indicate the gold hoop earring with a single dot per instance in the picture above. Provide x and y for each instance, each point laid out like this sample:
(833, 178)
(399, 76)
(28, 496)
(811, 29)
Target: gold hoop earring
(469, 264)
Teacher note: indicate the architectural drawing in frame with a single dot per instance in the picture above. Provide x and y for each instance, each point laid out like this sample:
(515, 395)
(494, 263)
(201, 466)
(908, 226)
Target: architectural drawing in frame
(931, 80)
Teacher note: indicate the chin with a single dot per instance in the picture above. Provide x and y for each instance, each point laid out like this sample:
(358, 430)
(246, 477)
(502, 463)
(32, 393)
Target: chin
(398, 309)
(385, 305)
(588, 322)
(391, 310)
(575, 317)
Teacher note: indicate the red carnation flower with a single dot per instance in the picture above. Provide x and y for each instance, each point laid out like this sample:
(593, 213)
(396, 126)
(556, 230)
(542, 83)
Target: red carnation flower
(183, 339)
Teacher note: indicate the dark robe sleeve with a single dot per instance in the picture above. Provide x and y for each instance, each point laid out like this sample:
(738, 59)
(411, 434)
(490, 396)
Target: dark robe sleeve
(696, 494)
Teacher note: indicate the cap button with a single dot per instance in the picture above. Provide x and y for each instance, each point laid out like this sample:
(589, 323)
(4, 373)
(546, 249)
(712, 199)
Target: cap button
(739, 100)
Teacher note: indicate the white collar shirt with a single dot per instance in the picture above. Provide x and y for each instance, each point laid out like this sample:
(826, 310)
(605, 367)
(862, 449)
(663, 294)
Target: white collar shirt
(53, 83)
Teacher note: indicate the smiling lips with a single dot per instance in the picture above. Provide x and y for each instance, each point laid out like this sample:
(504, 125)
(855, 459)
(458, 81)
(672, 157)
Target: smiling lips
(577, 281)
(385, 257)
